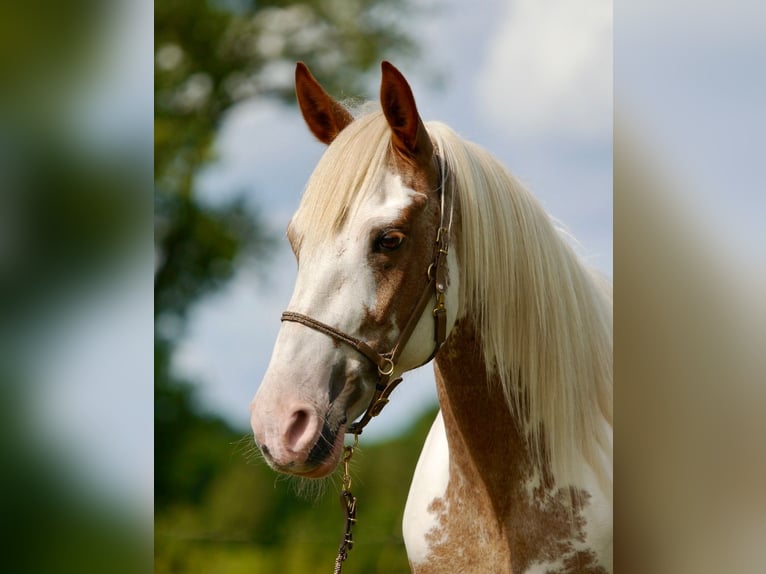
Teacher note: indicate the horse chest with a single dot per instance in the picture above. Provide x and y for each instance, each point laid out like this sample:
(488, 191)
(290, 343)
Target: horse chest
(429, 483)
(446, 526)
(450, 525)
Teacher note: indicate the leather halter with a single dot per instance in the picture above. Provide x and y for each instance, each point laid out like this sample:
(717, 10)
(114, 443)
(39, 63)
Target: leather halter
(386, 362)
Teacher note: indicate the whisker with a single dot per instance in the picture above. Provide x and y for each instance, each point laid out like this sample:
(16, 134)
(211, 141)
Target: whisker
(313, 489)
(248, 449)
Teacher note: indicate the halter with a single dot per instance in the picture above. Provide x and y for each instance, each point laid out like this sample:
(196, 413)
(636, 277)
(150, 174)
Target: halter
(386, 362)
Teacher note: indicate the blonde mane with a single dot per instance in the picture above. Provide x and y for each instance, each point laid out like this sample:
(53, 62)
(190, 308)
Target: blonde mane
(544, 318)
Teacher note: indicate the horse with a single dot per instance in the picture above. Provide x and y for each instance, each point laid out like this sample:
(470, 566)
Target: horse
(413, 245)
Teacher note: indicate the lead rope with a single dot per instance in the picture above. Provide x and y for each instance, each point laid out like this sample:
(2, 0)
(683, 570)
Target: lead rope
(348, 504)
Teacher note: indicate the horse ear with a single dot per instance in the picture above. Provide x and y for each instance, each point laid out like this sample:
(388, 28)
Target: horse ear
(408, 133)
(325, 116)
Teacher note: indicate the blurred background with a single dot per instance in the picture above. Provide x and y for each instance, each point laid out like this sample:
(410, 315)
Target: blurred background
(112, 446)
(75, 286)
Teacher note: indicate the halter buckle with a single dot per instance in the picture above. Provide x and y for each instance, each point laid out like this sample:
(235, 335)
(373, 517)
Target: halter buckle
(440, 307)
(387, 368)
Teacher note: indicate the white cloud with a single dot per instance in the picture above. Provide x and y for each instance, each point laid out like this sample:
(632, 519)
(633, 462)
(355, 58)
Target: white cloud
(548, 70)
(266, 152)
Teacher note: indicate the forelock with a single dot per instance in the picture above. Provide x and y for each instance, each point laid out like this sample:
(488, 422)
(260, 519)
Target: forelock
(352, 169)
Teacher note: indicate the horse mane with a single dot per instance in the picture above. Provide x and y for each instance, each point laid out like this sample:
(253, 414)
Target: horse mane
(544, 317)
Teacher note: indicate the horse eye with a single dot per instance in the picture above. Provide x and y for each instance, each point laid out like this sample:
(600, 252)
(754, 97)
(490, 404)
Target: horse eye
(390, 241)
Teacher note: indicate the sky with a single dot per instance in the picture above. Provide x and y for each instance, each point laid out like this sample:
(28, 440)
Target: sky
(689, 85)
(536, 91)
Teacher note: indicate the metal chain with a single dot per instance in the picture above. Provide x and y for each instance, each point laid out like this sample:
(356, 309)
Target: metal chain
(348, 504)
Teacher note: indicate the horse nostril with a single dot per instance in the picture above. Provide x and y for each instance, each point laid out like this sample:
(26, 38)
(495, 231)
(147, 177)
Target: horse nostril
(297, 429)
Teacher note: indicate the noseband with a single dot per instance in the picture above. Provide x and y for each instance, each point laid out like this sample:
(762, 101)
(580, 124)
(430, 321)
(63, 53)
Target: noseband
(386, 362)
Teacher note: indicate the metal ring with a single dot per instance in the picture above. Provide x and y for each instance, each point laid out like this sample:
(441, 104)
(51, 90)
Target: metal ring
(388, 367)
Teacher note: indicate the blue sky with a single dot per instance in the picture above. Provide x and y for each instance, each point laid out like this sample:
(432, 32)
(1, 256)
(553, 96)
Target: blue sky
(534, 90)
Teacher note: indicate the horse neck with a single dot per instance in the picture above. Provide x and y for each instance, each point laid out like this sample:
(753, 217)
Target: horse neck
(491, 475)
(485, 444)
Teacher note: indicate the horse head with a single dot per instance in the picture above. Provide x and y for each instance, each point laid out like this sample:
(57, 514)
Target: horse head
(366, 237)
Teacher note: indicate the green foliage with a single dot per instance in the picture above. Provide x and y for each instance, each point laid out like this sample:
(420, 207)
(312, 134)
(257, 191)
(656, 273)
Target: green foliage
(251, 520)
(210, 55)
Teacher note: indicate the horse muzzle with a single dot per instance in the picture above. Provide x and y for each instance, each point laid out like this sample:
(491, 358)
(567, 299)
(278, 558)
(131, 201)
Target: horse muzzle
(302, 442)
